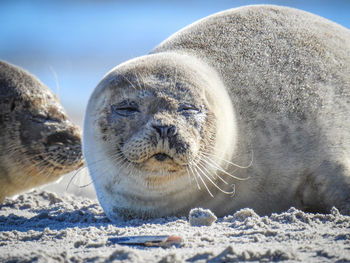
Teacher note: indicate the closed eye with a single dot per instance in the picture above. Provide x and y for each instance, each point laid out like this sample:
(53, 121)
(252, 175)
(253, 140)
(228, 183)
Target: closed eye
(43, 119)
(125, 108)
(188, 109)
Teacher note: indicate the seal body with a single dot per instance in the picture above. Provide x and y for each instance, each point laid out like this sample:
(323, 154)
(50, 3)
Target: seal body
(38, 143)
(245, 108)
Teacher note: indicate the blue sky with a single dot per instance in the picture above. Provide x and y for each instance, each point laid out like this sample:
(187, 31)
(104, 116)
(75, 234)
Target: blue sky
(79, 41)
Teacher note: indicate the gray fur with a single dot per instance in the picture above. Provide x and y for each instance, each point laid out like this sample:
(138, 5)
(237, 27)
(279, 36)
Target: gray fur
(38, 143)
(288, 75)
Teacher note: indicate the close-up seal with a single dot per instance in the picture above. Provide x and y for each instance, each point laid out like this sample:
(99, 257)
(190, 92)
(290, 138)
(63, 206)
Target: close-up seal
(248, 107)
(38, 142)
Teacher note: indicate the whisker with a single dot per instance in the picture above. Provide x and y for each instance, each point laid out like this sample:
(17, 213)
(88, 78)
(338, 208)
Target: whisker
(195, 176)
(56, 81)
(137, 79)
(215, 165)
(234, 164)
(189, 176)
(74, 175)
(99, 171)
(218, 176)
(132, 85)
(175, 75)
(210, 180)
(85, 185)
(205, 185)
(120, 156)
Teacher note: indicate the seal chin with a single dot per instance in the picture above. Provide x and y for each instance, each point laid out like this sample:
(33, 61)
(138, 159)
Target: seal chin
(156, 159)
(165, 162)
(159, 162)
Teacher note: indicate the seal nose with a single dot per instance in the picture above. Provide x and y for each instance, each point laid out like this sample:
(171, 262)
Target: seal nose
(63, 137)
(165, 130)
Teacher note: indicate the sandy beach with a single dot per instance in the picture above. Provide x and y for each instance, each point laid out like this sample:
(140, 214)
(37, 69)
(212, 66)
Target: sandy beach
(42, 226)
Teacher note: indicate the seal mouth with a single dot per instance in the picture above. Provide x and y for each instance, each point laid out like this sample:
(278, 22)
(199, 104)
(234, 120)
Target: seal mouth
(161, 157)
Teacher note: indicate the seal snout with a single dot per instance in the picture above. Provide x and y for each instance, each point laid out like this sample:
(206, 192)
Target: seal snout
(63, 137)
(165, 131)
(64, 147)
(167, 141)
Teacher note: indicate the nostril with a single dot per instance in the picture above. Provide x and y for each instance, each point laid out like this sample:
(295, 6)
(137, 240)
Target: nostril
(62, 138)
(165, 130)
(161, 130)
(172, 130)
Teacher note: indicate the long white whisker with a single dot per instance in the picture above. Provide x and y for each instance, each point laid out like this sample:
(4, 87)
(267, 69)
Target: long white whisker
(205, 185)
(210, 180)
(195, 176)
(213, 164)
(218, 176)
(234, 164)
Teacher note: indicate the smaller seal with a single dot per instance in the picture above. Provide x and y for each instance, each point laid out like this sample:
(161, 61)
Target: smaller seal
(38, 142)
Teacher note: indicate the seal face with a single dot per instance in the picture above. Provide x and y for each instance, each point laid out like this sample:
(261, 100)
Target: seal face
(153, 129)
(244, 108)
(38, 142)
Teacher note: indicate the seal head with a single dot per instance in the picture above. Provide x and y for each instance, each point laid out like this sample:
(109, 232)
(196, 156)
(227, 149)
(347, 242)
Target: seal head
(150, 123)
(38, 142)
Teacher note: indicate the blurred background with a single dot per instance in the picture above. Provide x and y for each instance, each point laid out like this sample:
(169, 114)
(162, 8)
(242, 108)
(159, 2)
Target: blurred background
(71, 44)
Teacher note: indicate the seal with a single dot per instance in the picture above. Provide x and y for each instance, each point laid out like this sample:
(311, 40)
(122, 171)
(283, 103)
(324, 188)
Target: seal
(248, 107)
(38, 142)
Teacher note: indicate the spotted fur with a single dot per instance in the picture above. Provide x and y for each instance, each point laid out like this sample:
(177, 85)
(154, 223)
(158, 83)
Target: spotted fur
(273, 87)
(38, 143)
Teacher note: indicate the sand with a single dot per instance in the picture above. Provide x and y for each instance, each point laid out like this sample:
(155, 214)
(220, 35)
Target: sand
(48, 227)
